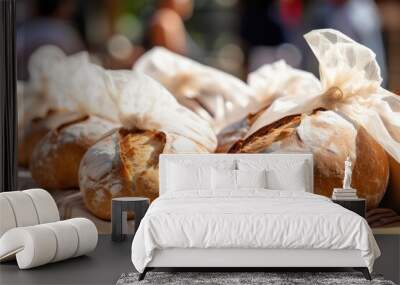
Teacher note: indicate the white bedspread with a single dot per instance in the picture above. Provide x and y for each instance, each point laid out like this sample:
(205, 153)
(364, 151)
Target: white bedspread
(250, 219)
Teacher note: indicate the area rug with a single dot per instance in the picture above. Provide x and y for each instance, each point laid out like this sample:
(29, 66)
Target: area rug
(243, 278)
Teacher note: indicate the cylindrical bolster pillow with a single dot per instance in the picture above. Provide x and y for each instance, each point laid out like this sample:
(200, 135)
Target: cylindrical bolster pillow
(41, 244)
(45, 205)
(67, 239)
(32, 246)
(7, 219)
(26, 208)
(87, 235)
(23, 209)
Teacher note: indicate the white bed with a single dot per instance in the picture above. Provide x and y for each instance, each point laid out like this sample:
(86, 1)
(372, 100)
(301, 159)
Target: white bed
(249, 227)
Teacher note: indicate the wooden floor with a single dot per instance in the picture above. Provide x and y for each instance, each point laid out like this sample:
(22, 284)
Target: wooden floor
(103, 266)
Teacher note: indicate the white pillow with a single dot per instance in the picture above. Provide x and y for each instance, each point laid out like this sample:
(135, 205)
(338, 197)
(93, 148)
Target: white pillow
(293, 180)
(251, 178)
(181, 177)
(223, 179)
(282, 174)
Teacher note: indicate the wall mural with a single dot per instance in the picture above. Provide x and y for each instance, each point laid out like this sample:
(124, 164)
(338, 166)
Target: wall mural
(101, 131)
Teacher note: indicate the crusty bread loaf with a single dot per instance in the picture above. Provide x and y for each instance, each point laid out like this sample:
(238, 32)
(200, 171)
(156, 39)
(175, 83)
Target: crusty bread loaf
(125, 163)
(371, 171)
(36, 129)
(331, 139)
(55, 160)
(392, 196)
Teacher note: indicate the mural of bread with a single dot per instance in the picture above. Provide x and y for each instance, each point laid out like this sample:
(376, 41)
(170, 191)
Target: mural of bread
(347, 114)
(55, 160)
(331, 139)
(125, 163)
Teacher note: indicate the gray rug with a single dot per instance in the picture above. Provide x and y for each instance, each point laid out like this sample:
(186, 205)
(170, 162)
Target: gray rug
(232, 278)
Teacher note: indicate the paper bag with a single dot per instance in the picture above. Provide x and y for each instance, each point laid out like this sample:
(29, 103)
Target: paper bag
(350, 86)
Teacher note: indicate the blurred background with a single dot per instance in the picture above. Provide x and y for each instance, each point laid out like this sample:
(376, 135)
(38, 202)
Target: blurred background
(236, 36)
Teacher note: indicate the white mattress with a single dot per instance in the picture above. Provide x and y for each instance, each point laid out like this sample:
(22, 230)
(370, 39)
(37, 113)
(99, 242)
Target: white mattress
(258, 219)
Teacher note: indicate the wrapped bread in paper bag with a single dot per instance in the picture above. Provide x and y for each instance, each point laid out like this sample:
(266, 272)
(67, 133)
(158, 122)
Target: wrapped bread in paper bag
(349, 87)
(331, 138)
(216, 96)
(125, 163)
(269, 82)
(43, 102)
(350, 84)
(58, 132)
(35, 116)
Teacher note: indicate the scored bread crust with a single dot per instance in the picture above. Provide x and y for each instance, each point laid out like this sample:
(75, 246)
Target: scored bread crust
(55, 160)
(125, 163)
(267, 135)
(236, 131)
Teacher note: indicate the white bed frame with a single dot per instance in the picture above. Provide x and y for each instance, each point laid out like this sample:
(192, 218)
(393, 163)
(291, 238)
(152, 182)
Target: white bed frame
(250, 258)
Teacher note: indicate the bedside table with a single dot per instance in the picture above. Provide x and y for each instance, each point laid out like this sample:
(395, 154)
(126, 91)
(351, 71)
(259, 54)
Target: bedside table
(358, 206)
(119, 215)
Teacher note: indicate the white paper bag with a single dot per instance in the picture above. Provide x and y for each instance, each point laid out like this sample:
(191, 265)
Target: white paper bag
(127, 97)
(32, 96)
(277, 80)
(216, 96)
(145, 104)
(350, 85)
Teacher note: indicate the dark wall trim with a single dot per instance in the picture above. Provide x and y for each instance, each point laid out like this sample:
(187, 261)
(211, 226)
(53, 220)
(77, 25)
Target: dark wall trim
(8, 98)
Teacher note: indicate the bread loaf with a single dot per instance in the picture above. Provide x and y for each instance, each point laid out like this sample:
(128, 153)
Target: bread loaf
(125, 163)
(36, 129)
(331, 139)
(56, 157)
(392, 196)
